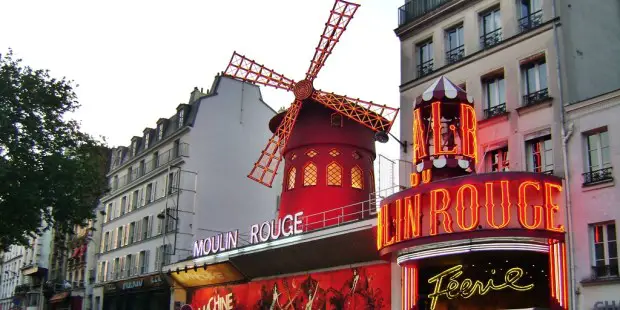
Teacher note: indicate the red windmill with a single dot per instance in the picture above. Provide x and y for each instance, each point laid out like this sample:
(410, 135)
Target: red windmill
(310, 131)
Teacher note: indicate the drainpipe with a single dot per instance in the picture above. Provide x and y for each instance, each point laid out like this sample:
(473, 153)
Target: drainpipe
(566, 134)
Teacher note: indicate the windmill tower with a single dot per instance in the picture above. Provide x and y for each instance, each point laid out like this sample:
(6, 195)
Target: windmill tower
(326, 140)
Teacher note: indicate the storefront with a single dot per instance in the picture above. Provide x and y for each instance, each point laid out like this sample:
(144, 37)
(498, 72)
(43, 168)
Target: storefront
(471, 241)
(145, 293)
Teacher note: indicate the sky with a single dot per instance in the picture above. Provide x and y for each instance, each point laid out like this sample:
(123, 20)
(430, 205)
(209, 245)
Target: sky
(135, 61)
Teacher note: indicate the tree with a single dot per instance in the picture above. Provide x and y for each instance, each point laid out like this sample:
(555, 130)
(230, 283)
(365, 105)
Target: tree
(51, 173)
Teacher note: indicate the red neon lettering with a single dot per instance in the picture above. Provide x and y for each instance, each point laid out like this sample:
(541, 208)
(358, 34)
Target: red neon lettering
(474, 207)
(412, 217)
(414, 179)
(419, 145)
(387, 239)
(380, 229)
(523, 205)
(399, 220)
(435, 211)
(490, 205)
(468, 132)
(426, 176)
(437, 134)
(552, 207)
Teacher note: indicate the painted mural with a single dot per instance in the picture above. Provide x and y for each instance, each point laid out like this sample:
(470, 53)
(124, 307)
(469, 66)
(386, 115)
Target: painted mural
(366, 287)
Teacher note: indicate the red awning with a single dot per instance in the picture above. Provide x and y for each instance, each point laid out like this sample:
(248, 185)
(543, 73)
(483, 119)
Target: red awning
(59, 297)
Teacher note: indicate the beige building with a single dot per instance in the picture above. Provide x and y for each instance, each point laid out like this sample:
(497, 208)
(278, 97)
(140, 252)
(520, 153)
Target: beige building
(538, 71)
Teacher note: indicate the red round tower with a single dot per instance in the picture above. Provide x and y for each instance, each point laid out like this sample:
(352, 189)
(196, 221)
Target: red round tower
(328, 162)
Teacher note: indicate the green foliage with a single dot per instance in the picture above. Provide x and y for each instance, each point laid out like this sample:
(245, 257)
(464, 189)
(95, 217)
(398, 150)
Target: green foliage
(50, 172)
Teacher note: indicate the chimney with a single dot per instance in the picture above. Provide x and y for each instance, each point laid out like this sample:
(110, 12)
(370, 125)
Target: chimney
(195, 95)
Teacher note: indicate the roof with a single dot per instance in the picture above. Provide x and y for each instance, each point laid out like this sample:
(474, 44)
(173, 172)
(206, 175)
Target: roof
(443, 89)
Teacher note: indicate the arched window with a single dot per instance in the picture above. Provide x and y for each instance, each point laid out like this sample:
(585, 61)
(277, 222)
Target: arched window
(357, 178)
(336, 120)
(334, 174)
(310, 174)
(311, 153)
(334, 152)
(291, 178)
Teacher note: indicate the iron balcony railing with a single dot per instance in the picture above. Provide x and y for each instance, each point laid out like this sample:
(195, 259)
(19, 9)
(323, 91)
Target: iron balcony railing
(494, 111)
(455, 54)
(492, 38)
(162, 159)
(425, 68)
(536, 97)
(605, 271)
(531, 21)
(415, 9)
(598, 176)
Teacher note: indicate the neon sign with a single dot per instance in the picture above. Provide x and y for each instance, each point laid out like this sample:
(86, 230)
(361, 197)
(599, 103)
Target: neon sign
(511, 201)
(466, 288)
(259, 233)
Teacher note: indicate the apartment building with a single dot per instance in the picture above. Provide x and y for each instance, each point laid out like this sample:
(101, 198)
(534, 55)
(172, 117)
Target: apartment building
(175, 183)
(529, 64)
(11, 277)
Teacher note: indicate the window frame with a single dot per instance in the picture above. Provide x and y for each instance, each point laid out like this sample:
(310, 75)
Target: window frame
(529, 161)
(503, 154)
(606, 251)
(486, 83)
(291, 178)
(599, 150)
(361, 176)
(305, 174)
(328, 175)
(525, 77)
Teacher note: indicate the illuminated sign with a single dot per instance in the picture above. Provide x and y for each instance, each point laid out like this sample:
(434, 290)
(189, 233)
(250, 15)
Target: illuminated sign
(214, 274)
(266, 231)
(509, 200)
(466, 288)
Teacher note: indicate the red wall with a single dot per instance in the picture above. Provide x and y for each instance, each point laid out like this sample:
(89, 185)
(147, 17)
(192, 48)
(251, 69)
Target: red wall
(331, 290)
(313, 131)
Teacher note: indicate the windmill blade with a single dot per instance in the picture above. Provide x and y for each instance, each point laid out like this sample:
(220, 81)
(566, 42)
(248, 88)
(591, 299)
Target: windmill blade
(374, 116)
(247, 70)
(339, 18)
(266, 168)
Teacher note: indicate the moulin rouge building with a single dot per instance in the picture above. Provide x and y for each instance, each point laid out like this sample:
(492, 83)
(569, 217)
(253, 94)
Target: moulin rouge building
(453, 240)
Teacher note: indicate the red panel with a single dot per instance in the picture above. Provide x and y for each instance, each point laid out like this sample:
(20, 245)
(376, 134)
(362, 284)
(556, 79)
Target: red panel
(366, 287)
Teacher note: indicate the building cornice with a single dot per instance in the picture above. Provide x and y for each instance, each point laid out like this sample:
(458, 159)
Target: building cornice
(592, 105)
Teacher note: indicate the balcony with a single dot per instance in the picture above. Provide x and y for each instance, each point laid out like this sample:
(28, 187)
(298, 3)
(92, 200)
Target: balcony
(495, 111)
(425, 68)
(598, 176)
(415, 9)
(455, 54)
(531, 21)
(536, 97)
(149, 166)
(492, 38)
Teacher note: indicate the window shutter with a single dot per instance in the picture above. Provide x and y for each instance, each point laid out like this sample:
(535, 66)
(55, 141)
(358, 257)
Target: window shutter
(127, 234)
(138, 230)
(141, 195)
(154, 192)
(121, 267)
(150, 228)
(102, 243)
(105, 270)
(118, 210)
(114, 236)
(157, 260)
(146, 261)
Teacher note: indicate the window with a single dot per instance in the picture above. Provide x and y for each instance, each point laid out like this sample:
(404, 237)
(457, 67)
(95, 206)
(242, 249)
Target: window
(425, 58)
(498, 160)
(357, 178)
(146, 141)
(181, 118)
(124, 205)
(490, 28)
(146, 227)
(143, 262)
(132, 232)
(160, 131)
(311, 153)
(109, 212)
(134, 148)
(106, 241)
(356, 155)
(605, 250)
(115, 182)
(334, 153)
(128, 260)
(494, 96)
(149, 193)
(540, 155)
(155, 161)
(291, 178)
(130, 174)
(334, 174)
(310, 174)
(454, 44)
(336, 120)
(598, 160)
(172, 183)
(120, 240)
(530, 14)
(160, 225)
(135, 199)
(534, 82)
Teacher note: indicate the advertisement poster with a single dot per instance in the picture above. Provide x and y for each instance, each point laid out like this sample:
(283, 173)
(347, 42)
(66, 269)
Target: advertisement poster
(366, 287)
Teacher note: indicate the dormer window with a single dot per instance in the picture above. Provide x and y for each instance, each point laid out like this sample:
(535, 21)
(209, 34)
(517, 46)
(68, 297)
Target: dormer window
(181, 118)
(146, 141)
(160, 131)
(119, 156)
(134, 147)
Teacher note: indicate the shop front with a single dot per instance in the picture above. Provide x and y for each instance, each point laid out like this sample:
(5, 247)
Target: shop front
(145, 293)
(471, 241)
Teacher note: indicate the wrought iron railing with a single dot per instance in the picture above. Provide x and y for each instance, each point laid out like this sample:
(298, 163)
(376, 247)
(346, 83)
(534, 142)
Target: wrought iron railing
(531, 21)
(162, 159)
(496, 110)
(536, 97)
(415, 9)
(455, 54)
(605, 271)
(425, 68)
(598, 176)
(492, 38)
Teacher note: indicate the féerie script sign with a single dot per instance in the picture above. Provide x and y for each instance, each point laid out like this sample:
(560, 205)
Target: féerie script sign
(266, 231)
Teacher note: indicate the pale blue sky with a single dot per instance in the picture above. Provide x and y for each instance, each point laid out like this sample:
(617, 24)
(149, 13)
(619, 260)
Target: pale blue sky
(135, 61)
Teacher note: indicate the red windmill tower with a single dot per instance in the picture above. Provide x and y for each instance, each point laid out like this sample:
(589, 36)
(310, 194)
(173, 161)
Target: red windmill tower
(326, 140)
